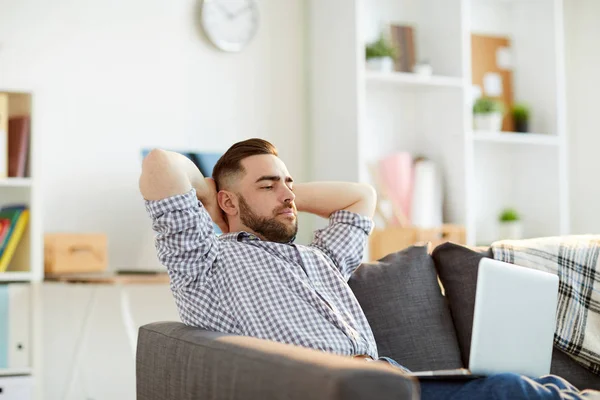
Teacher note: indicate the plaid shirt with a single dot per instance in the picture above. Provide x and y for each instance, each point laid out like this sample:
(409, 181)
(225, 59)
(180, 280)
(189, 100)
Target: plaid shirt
(239, 284)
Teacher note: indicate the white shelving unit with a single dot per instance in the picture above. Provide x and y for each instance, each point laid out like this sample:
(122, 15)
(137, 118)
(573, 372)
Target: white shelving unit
(26, 267)
(359, 116)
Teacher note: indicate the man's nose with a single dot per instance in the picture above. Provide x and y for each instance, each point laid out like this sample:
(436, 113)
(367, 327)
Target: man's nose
(288, 195)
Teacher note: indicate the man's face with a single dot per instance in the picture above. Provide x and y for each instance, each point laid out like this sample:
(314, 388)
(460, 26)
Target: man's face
(266, 199)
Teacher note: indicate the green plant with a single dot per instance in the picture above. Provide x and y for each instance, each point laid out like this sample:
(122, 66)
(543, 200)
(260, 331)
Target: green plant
(520, 112)
(380, 48)
(509, 215)
(485, 105)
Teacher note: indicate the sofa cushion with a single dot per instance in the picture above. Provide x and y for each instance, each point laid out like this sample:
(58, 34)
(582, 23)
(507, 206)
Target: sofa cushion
(408, 314)
(457, 268)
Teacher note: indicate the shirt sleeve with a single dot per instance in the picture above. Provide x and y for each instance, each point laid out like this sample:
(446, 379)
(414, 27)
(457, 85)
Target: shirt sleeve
(186, 243)
(344, 240)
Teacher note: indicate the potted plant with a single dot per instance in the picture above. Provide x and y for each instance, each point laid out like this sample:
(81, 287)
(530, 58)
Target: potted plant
(380, 55)
(520, 114)
(488, 114)
(510, 225)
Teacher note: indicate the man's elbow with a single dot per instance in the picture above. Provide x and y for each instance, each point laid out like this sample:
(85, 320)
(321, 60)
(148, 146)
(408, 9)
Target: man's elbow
(366, 202)
(154, 158)
(152, 165)
(370, 198)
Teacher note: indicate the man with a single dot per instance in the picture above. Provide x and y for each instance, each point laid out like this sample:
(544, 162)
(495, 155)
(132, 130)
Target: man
(254, 281)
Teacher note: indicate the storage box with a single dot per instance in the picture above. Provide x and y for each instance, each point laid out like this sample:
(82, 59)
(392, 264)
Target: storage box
(75, 253)
(385, 241)
(16, 388)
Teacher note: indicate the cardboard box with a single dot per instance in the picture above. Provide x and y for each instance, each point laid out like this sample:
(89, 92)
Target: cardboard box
(75, 253)
(389, 240)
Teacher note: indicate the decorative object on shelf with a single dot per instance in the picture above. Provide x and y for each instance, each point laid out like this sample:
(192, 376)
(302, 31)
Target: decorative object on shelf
(396, 172)
(229, 29)
(488, 114)
(510, 225)
(402, 38)
(520, 115)
(492, 72)
(380, 55)
(427, 196)
(423, 68)
(387, 213)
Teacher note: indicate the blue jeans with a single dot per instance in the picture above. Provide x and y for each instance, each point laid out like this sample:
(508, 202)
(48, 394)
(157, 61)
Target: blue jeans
(501, 387)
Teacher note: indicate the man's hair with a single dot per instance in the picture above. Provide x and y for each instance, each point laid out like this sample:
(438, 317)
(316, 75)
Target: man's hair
(230, 163)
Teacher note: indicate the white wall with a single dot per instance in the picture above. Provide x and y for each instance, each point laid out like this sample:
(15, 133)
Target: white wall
(112, 77)
(583, 86)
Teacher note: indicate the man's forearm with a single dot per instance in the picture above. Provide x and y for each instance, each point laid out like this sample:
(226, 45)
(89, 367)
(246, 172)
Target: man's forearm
(324, 198)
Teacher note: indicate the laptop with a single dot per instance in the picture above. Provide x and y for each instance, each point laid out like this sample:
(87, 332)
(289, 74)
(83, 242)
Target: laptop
(513, 323)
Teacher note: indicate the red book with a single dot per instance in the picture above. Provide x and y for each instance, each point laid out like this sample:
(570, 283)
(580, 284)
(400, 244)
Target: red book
(4, 225)
(18, 146)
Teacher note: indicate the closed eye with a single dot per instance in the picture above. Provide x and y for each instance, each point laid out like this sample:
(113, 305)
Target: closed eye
(267, 187)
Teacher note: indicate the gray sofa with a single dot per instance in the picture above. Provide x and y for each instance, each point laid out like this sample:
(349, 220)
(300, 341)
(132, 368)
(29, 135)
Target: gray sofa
(412, 320)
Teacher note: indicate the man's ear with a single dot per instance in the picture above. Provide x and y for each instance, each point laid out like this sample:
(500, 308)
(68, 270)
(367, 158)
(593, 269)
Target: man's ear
(228, 202)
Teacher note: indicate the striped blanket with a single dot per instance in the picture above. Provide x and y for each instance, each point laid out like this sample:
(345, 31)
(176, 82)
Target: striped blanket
(576, 261)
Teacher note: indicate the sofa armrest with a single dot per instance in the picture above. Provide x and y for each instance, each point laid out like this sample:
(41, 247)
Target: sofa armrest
(175, 361)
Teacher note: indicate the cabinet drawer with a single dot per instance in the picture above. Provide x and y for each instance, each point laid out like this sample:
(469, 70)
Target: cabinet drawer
(16, 388)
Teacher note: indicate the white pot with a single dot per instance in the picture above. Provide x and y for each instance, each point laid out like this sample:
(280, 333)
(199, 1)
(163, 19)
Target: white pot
(491, 122)
(423, 69)
(510, 230)
(381, 64)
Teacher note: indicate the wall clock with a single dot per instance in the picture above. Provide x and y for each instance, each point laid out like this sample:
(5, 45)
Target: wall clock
(229, 24)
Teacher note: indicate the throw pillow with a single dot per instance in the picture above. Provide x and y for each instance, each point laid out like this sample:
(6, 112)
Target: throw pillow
(410, 318)
(457, 267)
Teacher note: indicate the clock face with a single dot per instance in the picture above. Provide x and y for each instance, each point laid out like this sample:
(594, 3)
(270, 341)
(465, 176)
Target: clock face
(230, 24)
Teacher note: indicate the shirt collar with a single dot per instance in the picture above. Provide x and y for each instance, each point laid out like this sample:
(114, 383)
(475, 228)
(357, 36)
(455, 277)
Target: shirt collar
(241, 236)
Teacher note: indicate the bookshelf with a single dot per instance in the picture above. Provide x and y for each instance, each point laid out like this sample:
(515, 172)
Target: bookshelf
(22, 279)
(358, 116)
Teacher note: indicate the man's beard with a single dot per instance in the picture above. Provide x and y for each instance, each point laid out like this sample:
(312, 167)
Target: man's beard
(269, 228)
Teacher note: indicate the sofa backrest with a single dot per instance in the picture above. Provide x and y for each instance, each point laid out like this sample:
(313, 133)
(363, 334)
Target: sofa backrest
(175, 361)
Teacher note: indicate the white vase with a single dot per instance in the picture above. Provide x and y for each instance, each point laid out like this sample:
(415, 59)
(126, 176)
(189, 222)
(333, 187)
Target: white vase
(491, 122)
(510, 230)
(380, 64)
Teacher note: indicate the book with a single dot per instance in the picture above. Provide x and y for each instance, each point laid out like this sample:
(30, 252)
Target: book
(18, 146)
(3, 135)
(4, 227)
(12, 214)
(402, 39)
(13, 240)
